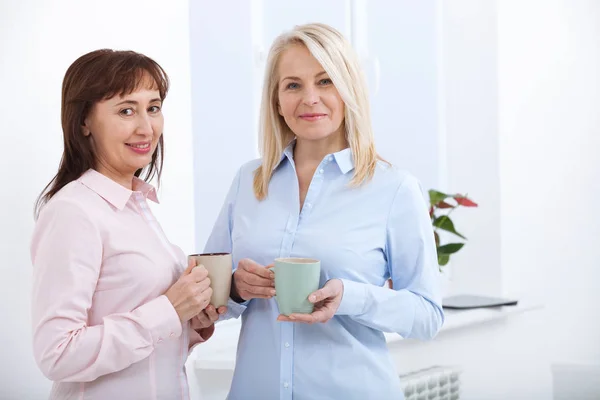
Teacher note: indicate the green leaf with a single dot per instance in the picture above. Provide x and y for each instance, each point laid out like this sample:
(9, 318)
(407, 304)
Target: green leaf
(443, 259)
(450, 248)
(445, 223)
(435, 197)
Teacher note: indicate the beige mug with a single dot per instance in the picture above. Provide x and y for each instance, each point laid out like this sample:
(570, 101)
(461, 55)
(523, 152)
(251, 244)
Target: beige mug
(219, 267)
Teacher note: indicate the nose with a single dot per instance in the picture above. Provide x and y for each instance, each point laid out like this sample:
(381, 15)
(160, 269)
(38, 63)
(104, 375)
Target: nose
(311, 96)
(144, 124)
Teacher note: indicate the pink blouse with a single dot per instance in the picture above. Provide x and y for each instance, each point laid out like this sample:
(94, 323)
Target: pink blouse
(102, 327)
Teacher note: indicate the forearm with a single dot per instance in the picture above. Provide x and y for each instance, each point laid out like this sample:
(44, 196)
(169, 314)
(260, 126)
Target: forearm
(69, 350)
(404, 312)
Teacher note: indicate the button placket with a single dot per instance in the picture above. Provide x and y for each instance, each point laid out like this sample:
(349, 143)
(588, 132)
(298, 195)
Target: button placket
(313, 189)
(286, 360)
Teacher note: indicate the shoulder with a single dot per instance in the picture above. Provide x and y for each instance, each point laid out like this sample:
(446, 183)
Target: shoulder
(248, 168)
(67, 220)
(244, 178)
(245, 174)
(395, 178)
(72, 202)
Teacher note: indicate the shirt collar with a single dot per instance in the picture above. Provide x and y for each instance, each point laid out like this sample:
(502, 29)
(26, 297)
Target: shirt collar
(114, 193)
(343, 158)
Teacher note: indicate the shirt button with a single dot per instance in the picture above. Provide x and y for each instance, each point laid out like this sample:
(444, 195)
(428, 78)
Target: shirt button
(159, 340)
(308, 205)
(172, 334)
(321, 170)
(287, 344)
(286, 385)
(330, 158)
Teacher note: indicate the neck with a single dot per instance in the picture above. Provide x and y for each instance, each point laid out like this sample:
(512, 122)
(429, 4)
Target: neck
(312, 152)
(125, 180)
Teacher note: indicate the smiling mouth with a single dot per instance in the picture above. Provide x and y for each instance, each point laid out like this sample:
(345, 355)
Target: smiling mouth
(142, 146)
(312, 117)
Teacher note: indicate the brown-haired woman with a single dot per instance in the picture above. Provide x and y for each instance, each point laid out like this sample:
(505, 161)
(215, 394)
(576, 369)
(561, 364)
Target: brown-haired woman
(116, 307)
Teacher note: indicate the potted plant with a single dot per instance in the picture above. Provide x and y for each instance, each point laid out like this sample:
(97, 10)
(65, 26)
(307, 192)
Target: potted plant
(441, 205)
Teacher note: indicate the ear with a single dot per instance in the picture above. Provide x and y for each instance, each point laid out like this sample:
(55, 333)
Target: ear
(279, 109)
(84, 128)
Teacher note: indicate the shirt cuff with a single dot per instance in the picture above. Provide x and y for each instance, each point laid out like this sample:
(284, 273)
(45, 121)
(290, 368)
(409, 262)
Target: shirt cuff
(199, 336)
(234, 310)
(160, 318)
(353, 298)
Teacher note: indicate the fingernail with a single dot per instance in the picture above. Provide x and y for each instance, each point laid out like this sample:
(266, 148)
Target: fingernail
(272, 292)
(312, 298)
(291, 317)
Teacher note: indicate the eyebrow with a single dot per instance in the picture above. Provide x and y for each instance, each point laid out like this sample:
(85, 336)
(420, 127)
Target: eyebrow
(295, 78)
(135, 103)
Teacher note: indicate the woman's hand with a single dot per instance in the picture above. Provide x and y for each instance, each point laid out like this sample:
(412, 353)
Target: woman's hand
(326, 300)
(253, 281)
(207, 317)
(191, 293)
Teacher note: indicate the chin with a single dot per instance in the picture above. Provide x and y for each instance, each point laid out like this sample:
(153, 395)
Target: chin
(314, 138)
(314, 135)
(139, 166)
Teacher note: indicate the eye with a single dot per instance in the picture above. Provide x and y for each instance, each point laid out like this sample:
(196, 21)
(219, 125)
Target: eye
(325, 82)
(154, 109)
(126, 112)
(292, 86)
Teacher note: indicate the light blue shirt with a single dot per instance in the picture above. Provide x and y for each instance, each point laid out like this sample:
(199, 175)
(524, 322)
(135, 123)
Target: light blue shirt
(363, 236)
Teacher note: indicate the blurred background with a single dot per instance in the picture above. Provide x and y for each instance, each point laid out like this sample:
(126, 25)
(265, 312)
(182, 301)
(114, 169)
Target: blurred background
(499, 99)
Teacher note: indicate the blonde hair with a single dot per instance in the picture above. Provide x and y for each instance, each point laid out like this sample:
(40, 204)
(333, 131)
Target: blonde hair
(340, 62)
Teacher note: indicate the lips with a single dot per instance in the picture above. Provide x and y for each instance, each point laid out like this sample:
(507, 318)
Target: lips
(140, 148)
(312, 116)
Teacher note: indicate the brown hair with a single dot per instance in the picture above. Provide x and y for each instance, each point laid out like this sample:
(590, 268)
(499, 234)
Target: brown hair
(93, 77)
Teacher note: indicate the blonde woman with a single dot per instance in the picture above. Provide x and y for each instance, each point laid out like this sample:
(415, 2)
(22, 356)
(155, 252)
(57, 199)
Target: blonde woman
(321, 191)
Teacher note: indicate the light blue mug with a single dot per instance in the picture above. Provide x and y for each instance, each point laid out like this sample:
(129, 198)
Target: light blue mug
(295, 279)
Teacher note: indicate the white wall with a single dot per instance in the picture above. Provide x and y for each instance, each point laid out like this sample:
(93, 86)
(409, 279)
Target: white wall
(549, 108)
(522, 90)
(38, 41)
(223, 105)
(470, 90)
(403, 37)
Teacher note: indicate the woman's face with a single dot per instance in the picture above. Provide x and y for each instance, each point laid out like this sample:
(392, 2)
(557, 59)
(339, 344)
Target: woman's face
(307, 100)
(124, 131)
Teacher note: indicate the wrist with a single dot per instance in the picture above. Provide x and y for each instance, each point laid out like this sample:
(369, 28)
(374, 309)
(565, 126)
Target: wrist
(167, 295)
(233, 293)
